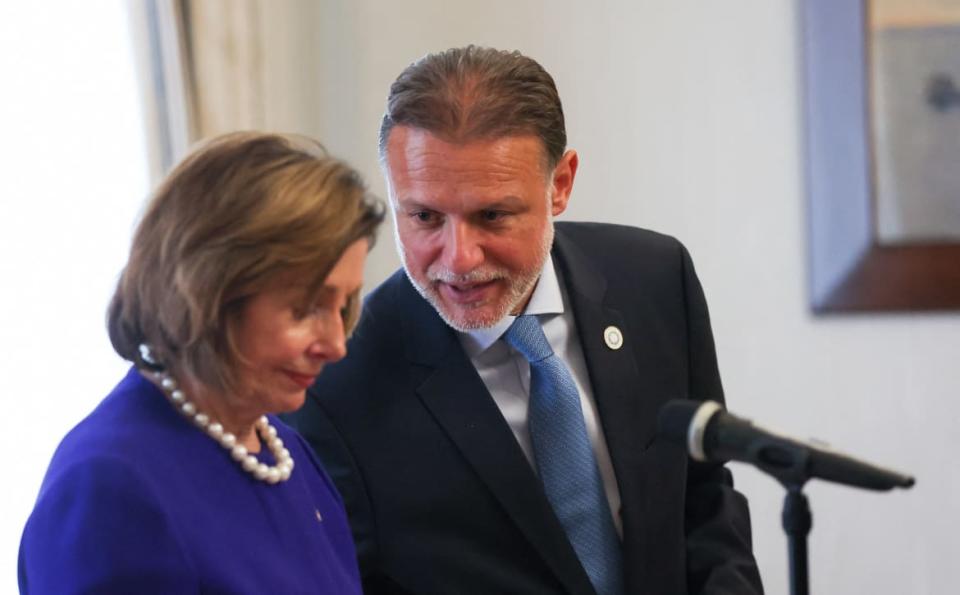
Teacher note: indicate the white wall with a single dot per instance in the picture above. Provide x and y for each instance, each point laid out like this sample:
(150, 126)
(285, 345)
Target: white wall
(688, 120)
(72, 178)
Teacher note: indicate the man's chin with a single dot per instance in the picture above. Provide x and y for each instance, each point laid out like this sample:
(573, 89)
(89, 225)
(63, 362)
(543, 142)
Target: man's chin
(465, 319)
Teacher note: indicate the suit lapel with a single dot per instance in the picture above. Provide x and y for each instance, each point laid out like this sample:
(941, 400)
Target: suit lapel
(628, 419)
(450, 388)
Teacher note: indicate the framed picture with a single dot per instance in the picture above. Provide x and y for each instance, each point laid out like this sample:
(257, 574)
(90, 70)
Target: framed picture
(882, 91)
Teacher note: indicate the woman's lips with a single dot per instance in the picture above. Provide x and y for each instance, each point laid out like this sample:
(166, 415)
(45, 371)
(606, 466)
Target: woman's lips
(304, 381)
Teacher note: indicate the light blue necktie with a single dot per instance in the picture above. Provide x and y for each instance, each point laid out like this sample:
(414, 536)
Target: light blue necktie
(565, 459)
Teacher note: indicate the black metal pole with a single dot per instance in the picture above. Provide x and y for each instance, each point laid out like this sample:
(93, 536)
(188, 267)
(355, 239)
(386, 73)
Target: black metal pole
(797, 521)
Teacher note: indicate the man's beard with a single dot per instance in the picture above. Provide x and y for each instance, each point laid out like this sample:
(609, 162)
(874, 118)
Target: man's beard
(519, 286)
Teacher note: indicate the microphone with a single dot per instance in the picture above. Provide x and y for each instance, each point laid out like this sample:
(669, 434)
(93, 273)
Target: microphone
(711, 434)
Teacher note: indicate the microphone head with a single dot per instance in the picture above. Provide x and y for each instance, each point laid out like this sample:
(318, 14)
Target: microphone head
(684, 421)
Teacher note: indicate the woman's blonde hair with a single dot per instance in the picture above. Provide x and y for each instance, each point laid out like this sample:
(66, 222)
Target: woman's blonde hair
(237, 212)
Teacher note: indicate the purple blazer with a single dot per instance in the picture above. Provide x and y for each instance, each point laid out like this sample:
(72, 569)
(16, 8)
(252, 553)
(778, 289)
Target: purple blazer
(138, 500)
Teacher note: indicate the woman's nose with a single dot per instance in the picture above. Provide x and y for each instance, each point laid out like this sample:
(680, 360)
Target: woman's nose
(330, 343)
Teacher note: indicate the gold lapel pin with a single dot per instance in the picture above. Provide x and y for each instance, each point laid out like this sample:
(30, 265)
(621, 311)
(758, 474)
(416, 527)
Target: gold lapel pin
(613, 337)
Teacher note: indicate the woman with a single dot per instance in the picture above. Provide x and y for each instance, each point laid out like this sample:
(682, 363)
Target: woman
(242, 282)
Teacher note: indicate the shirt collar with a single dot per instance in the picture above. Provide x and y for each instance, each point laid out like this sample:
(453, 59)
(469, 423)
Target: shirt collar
(546, 299)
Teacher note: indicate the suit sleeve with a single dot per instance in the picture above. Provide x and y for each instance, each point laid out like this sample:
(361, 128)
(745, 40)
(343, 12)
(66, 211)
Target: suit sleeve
(96, 528)
(719, 552)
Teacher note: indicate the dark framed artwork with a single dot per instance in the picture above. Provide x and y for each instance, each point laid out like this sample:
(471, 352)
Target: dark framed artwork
(882, 91)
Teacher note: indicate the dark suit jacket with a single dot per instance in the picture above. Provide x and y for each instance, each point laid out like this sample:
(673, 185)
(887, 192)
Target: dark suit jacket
(440, 496)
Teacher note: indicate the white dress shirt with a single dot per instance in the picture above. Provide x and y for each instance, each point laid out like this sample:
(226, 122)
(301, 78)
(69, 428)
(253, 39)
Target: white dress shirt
(506, 373)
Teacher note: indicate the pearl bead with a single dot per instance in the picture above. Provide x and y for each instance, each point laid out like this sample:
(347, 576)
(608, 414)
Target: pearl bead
(267, 433)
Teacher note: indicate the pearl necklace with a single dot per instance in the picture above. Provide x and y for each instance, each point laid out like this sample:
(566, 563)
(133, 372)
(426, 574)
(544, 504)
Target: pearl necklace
(270, 474)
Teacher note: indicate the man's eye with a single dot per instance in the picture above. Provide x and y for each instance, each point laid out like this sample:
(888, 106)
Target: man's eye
(424, 216)
(493, 216)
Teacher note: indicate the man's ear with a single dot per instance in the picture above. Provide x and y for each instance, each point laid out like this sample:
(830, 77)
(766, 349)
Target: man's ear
(562, 181)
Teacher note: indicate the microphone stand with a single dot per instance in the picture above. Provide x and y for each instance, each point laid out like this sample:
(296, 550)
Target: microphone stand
(791, 468)
(797, 521)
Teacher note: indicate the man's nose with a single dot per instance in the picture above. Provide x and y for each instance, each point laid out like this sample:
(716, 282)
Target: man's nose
(462, 251)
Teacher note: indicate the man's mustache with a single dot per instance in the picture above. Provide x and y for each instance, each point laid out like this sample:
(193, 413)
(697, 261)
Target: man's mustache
(479, 275)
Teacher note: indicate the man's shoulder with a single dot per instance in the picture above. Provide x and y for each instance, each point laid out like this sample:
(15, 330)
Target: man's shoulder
(611, 247)
(605, 234)
(382, 316)
(384, 303)
(378, 345)
(377, 373)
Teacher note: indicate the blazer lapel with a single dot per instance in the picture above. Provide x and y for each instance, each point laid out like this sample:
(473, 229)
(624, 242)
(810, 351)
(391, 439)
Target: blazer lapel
(450, 388)
(628, 419)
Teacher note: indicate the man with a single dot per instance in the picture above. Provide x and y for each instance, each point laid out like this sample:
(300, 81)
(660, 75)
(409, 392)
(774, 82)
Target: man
(492, 428)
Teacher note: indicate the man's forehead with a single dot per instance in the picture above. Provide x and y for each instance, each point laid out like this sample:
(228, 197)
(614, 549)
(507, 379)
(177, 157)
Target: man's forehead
(503, 171)
(408, 144)
(460, 202)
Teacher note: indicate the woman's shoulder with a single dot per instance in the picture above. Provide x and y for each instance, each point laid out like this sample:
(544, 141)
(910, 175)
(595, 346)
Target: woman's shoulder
(92, 479)
(98, 521)
(125, 442)
(102, 495)
(123, 425)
